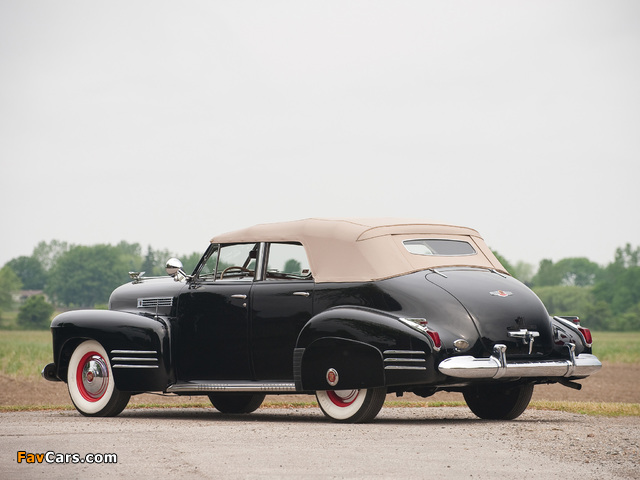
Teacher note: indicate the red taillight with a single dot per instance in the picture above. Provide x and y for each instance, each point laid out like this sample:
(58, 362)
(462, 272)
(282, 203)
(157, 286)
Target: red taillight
(435, 337)
(586, 333)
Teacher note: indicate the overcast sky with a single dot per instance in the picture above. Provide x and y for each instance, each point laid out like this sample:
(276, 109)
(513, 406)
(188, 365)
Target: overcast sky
(165, 123)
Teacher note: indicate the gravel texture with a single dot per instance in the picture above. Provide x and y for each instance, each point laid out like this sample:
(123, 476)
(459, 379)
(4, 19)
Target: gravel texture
(423, 442)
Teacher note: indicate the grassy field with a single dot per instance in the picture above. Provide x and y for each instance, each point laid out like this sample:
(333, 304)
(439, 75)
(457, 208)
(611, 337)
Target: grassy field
(617, 347)
(23, 353)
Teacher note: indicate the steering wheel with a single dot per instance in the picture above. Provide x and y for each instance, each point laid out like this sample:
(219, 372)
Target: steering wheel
(228, 269)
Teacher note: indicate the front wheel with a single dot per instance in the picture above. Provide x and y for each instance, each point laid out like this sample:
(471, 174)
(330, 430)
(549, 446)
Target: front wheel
(236, 402)
(498, 402)
(351, 406)
(90, 381)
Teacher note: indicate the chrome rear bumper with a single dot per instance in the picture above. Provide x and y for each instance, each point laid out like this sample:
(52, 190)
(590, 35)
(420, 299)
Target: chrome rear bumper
(496, 366)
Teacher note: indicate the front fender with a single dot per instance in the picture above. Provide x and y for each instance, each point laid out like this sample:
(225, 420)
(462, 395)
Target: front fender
(138, 346)
(366, 347)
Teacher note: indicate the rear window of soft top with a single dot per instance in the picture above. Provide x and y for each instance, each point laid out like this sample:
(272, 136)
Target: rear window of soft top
(439, 247)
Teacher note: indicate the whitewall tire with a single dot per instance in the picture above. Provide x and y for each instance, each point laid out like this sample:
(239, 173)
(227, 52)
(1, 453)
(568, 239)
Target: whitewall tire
(351, 406)
(91, 384)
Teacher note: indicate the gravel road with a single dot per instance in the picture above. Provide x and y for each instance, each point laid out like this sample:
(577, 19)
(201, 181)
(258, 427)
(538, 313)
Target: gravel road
(443, 443)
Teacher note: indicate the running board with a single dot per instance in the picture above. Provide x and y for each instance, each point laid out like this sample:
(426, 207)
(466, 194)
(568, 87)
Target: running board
(203, 386)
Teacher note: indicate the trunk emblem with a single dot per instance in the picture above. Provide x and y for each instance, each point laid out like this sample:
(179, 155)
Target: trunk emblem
(501, 293)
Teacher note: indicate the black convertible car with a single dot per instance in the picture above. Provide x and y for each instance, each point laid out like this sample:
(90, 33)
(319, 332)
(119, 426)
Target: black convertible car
(349, 310)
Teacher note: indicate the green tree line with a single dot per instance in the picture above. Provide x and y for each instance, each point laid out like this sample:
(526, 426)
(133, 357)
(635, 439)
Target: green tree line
(78, 276)
(605, 298)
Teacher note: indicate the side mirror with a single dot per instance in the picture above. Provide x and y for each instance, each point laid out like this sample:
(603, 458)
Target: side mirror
(173, 267)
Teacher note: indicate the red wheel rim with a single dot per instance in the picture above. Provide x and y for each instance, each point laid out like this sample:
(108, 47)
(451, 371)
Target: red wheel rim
(346, 398)
(92, 376)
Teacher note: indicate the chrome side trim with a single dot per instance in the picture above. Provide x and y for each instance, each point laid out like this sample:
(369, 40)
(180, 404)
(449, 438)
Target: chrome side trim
(496, 366)
(404, 360)
(203, 386)
(135, 366)
(403, 367)
(133, 352)
(419, 360)
(403, 352)
(134, 359)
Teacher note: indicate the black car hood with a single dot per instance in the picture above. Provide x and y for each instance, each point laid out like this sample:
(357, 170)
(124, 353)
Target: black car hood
(499, 306)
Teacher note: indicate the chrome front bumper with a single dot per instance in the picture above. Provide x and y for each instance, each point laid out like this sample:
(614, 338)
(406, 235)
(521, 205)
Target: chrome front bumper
(496, 366)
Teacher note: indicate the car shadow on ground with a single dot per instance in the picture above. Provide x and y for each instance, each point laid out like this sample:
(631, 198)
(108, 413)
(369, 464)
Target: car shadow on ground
(432, 416)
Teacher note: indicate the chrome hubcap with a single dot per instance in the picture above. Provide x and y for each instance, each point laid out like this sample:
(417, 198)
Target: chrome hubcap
(95, 376)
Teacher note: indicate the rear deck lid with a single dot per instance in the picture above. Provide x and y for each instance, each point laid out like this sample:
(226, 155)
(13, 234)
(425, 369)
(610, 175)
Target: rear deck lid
(503, 309)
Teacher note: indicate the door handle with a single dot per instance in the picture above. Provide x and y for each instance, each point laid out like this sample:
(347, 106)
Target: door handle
(239, 295)
(301, 294)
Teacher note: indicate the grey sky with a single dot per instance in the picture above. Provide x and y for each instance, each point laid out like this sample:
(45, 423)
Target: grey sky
(165, 123)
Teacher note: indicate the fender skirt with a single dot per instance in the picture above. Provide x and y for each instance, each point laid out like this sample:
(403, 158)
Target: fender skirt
(356, 365)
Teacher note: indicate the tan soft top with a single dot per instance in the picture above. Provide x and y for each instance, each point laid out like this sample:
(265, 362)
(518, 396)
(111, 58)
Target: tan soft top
(360, 250)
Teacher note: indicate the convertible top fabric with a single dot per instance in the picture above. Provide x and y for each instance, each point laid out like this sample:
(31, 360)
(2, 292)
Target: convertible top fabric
(361, 250)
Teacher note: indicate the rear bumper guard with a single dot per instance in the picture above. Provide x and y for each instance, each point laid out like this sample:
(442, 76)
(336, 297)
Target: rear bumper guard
(496, 366)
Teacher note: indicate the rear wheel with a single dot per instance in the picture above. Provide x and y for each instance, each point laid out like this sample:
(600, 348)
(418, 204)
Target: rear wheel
(236, 402)
(498, 402)
(90, 381)
(351, 406)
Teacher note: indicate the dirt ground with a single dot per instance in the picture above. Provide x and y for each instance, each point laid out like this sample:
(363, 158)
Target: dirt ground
(613, 383)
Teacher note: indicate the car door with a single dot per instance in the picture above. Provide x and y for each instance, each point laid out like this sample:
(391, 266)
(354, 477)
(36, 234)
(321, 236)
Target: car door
(212, 335)
(281, 304)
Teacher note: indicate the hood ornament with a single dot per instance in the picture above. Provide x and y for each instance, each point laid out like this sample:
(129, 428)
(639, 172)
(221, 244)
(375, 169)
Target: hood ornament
(136, 276)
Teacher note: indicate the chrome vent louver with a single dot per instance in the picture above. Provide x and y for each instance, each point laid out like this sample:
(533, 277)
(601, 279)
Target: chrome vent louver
(404, 360)
(134, 359)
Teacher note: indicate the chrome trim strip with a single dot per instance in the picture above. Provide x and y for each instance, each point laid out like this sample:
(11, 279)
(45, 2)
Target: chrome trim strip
(496, 366)
(133, 352)
(232, 387)
(418, 360)
(133, 359)
(403, 352)
(135, 366)
(401, 367)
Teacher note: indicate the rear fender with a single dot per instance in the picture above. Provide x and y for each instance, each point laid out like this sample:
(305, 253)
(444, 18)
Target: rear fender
(138, 346)
(367, 348)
